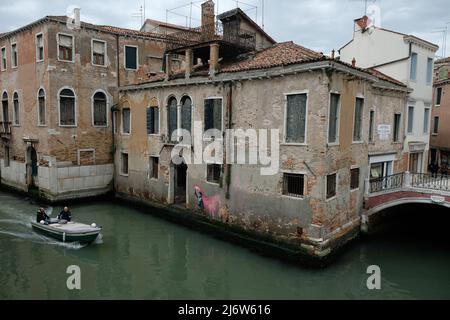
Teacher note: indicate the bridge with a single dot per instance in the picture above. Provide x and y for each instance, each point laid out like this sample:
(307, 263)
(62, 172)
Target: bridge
(405, 188)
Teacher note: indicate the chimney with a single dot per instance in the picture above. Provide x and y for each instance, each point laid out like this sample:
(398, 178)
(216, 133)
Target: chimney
(77, 16)
(362, 24)
(208, 18)
(333, 53)
(354, 62)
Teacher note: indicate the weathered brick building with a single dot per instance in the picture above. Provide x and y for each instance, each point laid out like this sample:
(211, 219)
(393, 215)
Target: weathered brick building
(327, 113)
(59, 80)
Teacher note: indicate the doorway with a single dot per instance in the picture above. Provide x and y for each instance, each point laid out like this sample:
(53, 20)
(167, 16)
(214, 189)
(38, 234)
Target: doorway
(415, 163)
(32, 167)
(180, 183)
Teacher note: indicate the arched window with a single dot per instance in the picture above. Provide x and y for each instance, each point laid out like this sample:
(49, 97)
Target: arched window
(100, 110)
(41, 106)
(67, 108)
(153, 117)
(172, 117)
(5, 113)
(16, 109)
(186, 114)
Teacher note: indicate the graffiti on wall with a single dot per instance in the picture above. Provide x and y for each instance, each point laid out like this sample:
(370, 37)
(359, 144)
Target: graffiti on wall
(209, 205)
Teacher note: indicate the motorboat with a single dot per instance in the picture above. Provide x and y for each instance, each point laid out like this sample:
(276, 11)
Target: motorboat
(68, 231)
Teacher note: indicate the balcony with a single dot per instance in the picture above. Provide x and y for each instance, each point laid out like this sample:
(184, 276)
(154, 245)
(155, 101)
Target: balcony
(5, 130)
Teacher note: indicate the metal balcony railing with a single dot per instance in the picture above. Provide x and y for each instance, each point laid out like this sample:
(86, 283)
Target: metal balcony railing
(430, 181)
(388, 183)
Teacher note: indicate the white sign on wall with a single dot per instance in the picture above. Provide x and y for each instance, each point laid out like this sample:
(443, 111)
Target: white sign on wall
(384, 131)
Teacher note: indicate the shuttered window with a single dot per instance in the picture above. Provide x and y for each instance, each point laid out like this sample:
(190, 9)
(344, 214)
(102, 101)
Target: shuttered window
(14, 56)
(67, 108)
(126, 121)
(397, 124)
(334, 118)
(371, 125)
(213, 114)
(296, 118)
(152, 120)
(172, 119)
(357, 126)
(98, 52)
(410, 119)
(131, 58)
(413, 72)
(426, 120)
(65, 47)
(186, 114)
(100, 109)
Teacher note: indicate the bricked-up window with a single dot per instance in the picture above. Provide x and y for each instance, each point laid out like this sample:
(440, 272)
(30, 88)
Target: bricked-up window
(213, 114)
(410, 119)
(333, 125)
(397, 125)
(131, 58)
(186, 114)
(213, 173)
(154, 167)
(438, 96)
(14, 56)
(67, 108)
(124, 163)
(100, 110)
(172, 118)
(354, 179)
(65, 47)
(98, 53)
(331, 186)
(4, 63)
(296, 118)
(436, 125)
(293, 185)
(5, 111)
(39, 47)
(153, 120)
(86, 157)
(358, 118)
(371, 125)
(126, 121)
(16, 109)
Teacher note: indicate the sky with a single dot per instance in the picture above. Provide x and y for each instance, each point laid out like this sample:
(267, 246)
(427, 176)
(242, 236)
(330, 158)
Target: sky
(321, 25)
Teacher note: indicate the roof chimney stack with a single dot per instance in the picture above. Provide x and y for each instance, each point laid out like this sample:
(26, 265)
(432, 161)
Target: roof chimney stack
(208, 18)
(333, 53)
(354, 62)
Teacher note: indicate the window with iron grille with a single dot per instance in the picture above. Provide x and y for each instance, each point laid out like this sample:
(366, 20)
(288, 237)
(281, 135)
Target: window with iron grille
(354, 180)
(67, 108)
(100, 110)
(293, 185)
(296, 118)
(331, 186)
(213, 173)
(154, 167)
(124, 164)
(65, 47)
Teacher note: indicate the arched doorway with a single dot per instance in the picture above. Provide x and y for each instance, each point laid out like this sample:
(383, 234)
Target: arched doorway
(180, 182)
(32, 166)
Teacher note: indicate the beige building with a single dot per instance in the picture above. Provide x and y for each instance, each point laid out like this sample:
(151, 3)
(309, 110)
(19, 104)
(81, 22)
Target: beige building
(326, 113)
(59, 80)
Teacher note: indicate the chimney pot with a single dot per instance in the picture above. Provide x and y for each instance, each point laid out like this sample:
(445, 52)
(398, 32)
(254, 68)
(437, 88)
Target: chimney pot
(333, 52)
(354, 62)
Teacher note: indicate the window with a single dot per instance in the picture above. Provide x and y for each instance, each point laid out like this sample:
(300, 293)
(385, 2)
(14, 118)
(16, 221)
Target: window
(124, 163)
(16, 109)
(371, 125)
(14, 56)
(100, 110)
(293, 185)
(213, 173)
(65, 47)
(397, 124)
(413, 72)
(186, 114)
(333, 125)
(331, 186)
(436, 125)
(213, 114)
(172, 118)
(438, 96)
(126, 121)
(357, 126)
(41, 106)
(429, 71)
(296, 118)
(4, 64)
(426, 120)
(39, 47)
(5, 111)
(131, 58)
(7, 156)
(98, 53)
(153, 119)
(154, 167)
(67, 108)
(354, 179)
(410, 119)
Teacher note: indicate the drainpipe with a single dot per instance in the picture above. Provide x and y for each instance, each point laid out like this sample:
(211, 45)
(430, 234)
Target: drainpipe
(229, 126)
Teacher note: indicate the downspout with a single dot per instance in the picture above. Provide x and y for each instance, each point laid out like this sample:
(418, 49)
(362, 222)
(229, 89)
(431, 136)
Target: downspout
(229, 126)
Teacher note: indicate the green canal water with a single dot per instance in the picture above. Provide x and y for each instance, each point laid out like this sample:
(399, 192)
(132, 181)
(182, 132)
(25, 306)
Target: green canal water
(140, 256)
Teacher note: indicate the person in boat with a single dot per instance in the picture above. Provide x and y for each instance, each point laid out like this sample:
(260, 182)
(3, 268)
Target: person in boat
(65, 215)
(42, 216)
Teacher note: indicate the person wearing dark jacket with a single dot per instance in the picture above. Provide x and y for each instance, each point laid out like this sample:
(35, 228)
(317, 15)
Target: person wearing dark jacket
(65, 215)
(42, 216)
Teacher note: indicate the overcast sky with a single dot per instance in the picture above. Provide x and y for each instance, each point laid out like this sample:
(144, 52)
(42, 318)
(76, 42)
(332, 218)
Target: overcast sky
(317, 24)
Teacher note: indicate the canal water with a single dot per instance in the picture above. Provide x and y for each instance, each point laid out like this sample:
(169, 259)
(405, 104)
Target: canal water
(140, 256)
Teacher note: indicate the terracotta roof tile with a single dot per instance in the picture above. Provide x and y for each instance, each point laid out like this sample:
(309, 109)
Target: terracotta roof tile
(384, 77)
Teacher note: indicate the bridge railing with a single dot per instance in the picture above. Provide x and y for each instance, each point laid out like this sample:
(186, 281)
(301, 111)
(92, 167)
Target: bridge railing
(430, 181)
(388, 183)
